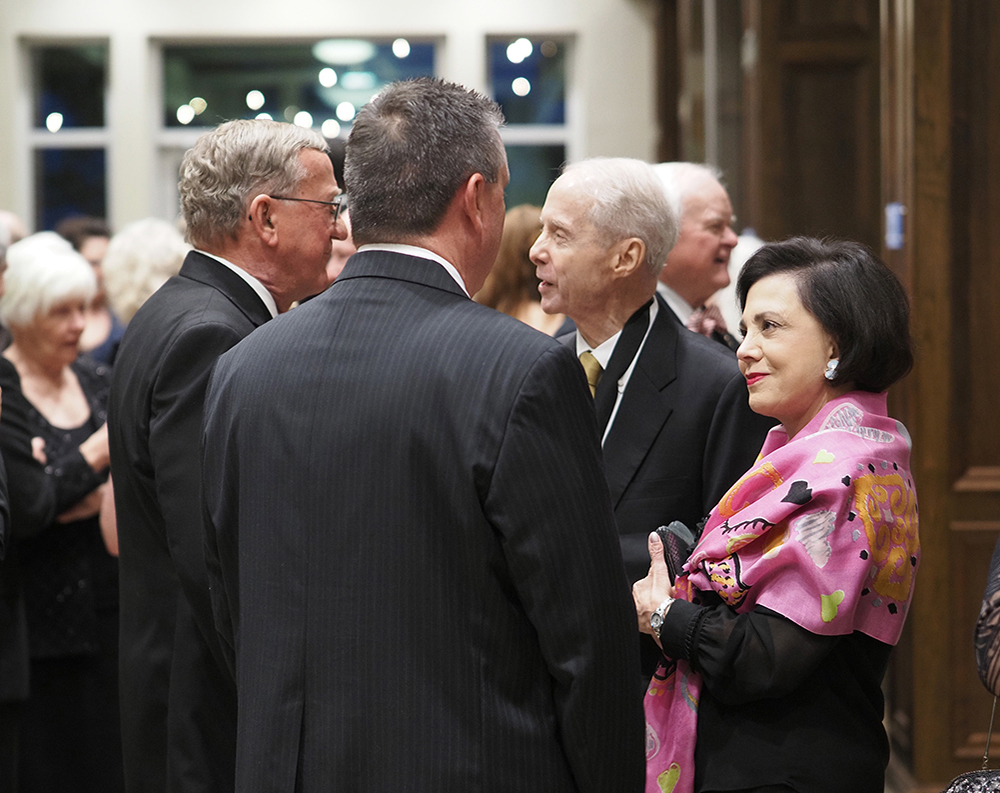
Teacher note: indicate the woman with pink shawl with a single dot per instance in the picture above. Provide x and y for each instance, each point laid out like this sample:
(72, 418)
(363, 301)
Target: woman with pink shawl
(777, 631)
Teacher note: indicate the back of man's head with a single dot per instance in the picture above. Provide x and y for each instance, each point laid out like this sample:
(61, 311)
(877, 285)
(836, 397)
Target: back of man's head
(410, 149)
(231, 165)
(628, 201)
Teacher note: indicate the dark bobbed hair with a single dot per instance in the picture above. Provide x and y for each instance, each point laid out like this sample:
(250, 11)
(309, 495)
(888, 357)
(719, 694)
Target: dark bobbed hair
(409, 150)
(857, 299)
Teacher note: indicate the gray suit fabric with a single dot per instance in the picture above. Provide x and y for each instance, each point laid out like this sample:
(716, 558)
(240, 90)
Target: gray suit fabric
(421, 593)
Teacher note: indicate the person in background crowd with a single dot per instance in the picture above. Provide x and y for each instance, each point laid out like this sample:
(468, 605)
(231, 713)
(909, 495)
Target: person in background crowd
(14, 225)
(259, 200)
(781, 622)
(671, 405)
(11, 230)
(401, 624)
(139, 260)
(54, 409)
(697, 266)
(987, 636)
(342, 249)
(13, 683)
(90, 237)
(725, 299)
(511, 286)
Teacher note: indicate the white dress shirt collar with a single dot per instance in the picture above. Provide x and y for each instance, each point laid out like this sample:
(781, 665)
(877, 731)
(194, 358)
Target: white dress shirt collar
(266, 297)
(603, 355)
(677, 304)
(423, 253)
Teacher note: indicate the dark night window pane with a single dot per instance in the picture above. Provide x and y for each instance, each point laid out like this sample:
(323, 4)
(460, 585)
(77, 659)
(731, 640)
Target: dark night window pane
(532, 170)
(206, 85)
(70, 81)
(69, 182)
(529, 79)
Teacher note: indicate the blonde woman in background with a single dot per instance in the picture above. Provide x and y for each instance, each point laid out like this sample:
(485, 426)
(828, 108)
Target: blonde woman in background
(140, 259)
(511, 286)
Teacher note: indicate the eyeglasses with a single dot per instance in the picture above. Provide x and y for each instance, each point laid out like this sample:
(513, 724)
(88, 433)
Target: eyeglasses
(338, 205)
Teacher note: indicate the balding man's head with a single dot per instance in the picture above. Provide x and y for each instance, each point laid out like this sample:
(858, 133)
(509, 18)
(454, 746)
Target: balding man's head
(697, 265)
(606, 229)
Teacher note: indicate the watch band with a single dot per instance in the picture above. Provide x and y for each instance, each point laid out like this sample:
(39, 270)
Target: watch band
(658, 616)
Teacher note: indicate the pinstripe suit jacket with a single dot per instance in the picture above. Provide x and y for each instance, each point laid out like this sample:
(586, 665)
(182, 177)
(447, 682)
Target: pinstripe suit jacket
(178, 698)
(422, 595)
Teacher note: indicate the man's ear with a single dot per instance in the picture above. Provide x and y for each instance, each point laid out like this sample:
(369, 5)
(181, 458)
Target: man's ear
(630, 257)
(262, 219)
(474, 200)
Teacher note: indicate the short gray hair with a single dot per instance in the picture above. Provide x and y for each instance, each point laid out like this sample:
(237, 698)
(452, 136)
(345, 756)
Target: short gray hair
(140, 258)
(43, 270)
(410, 149)
(628, 201)
(681, 179)
(233, 164)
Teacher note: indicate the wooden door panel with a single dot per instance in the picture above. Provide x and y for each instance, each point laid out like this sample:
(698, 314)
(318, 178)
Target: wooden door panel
(812, 119)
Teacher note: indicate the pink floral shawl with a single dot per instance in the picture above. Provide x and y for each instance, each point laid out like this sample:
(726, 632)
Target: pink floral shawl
(823, 530)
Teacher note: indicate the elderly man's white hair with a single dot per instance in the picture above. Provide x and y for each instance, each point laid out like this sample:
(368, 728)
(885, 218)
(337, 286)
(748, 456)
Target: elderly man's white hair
(681, 179)
(628, 201)
(4, 241)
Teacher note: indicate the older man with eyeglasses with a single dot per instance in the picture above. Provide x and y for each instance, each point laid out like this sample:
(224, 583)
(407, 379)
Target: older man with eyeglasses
(262, 208)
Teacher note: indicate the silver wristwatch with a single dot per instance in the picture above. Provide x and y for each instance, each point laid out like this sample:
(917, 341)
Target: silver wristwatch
(656, 620)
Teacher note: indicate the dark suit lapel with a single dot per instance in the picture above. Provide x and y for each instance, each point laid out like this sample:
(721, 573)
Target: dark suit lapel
(646, 404)
(206, 270)
(621, 358)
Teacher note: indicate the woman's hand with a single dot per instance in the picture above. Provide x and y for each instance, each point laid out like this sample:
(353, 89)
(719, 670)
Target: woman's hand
(652, 590)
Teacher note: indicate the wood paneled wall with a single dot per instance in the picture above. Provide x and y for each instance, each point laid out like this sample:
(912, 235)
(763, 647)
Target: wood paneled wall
(812, 121)
(849, 105)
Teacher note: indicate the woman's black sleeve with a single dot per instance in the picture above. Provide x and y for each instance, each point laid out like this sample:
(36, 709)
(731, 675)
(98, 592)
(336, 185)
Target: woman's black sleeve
(32, 494)
(743, 657)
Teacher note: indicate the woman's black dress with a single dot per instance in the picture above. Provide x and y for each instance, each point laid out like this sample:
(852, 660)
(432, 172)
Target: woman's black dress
(70, 734)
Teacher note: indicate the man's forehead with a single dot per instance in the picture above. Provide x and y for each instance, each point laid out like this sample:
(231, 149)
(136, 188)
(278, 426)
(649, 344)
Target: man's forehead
(568, 200)
(709, 198)
(318, 168)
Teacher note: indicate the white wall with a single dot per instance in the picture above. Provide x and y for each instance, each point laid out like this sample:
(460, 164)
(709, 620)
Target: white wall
(612, 77)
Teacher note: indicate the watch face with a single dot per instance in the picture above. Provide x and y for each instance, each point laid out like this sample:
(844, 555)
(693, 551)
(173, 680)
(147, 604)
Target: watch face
(656, 620)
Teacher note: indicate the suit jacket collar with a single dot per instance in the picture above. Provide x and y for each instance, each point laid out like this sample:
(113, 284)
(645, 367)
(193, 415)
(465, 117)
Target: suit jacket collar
(400, 267)
(646, 404)
(205, 270)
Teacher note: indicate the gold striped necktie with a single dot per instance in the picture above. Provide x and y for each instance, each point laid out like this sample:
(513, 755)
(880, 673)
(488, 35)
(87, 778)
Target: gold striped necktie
(593, 369)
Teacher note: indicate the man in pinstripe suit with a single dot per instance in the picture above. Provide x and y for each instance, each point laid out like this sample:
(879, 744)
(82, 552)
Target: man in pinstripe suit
(417, 560)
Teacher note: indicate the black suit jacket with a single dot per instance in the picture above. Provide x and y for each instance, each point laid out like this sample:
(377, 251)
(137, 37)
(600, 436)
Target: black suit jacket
(178, 700)
(421, 594)
(683, 434)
